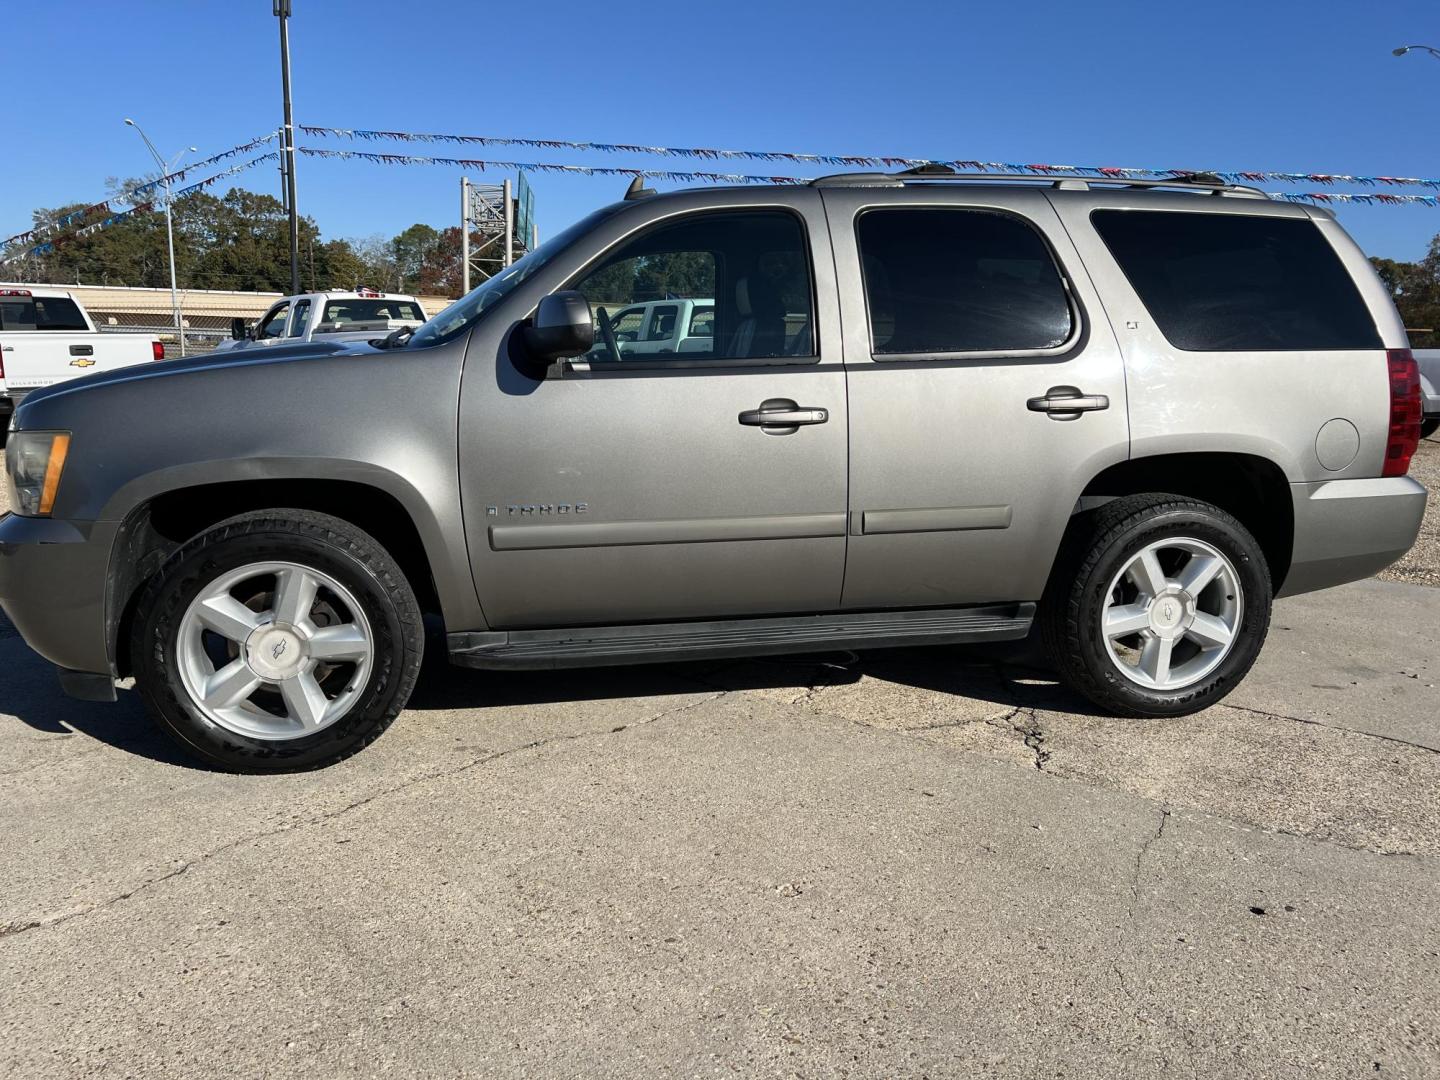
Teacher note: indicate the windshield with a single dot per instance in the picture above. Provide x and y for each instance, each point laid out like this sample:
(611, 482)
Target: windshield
(465, 312)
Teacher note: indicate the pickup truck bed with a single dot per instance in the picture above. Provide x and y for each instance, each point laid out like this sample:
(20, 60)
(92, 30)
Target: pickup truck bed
(46, 338)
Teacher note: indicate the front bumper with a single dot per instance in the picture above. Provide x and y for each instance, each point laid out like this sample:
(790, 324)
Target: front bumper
(53, 587)
(1346, 530)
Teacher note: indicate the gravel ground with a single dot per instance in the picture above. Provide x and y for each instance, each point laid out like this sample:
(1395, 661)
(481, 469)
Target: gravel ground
(1421, 565)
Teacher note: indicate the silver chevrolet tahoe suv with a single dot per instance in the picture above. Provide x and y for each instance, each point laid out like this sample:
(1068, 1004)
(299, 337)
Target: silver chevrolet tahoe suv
(932, 409)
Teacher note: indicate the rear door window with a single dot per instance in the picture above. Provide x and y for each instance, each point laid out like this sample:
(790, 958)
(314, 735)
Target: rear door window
(947, 280)
(1238, 283)
(662, 323)
(301, 319)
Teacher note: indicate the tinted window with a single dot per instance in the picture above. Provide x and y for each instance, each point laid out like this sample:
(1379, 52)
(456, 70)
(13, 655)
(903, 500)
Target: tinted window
(941, 280)
(40, 313)
(662, 323)
(702, 322)
(302, 317)
(1234, 283)
(347, 311)
(751, 270)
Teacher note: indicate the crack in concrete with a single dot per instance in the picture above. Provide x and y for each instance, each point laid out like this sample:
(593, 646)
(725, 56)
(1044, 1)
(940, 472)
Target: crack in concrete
(13, 928)
(1331, 727)
(1030, 732)
(1134, 904)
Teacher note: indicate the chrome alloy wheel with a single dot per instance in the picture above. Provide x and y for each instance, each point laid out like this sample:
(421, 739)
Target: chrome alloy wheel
(1172, 613)
(274, 650)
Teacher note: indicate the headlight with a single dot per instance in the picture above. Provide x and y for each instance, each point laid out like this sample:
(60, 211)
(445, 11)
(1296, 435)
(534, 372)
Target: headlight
(34, 461)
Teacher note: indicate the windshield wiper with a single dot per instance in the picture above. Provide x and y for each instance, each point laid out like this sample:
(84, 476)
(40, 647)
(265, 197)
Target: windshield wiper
(395, 339)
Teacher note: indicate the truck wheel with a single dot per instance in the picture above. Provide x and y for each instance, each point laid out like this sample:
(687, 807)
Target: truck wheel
(277, 641)
(1429, 426)
(1158, 605)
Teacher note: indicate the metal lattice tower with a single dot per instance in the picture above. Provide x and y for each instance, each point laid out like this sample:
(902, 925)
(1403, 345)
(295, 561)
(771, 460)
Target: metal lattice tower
(487, 212)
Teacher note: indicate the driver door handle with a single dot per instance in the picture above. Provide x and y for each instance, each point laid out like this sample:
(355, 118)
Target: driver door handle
(781, 416)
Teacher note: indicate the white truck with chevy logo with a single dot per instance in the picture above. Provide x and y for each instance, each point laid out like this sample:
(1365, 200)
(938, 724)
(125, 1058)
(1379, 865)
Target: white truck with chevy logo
(46, 338)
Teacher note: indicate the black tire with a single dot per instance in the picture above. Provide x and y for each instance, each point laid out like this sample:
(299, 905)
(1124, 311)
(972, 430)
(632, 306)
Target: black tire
(1429, 426)
(1098, 544)
(317, 541)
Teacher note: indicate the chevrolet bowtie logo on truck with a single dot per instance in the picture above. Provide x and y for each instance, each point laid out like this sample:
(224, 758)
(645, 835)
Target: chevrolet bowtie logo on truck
(82, 363)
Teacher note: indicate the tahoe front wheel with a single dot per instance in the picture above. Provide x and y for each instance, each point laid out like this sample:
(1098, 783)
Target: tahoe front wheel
(1158, 605)
(276, 641)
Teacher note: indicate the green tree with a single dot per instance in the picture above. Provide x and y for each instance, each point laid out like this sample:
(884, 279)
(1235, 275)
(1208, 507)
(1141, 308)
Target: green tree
(1415, 288)
(409, 251)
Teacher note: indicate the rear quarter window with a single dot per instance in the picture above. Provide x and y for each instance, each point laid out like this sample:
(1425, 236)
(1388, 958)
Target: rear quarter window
(1238, 283)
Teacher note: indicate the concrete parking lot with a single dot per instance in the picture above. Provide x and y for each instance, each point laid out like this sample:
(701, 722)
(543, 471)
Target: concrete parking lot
(918, 863)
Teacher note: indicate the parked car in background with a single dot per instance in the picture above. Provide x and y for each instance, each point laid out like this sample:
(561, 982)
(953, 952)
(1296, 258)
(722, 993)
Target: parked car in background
(662, 326)
(46, 337)
(931, 409)
(328, 316)
(1429, 361)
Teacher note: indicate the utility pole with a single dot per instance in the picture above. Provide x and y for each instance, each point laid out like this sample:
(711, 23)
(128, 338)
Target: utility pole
(509, 224)
(464, 236)
(282, 12)
(166, 168)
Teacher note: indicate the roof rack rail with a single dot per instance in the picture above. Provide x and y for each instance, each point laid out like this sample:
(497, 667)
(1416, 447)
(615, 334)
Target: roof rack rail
(935, 172)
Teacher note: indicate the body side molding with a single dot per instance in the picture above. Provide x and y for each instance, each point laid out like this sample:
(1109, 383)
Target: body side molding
(677, 531)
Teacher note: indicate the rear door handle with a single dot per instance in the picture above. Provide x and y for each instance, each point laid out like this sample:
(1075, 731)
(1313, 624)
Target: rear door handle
(1067, 403)
(781, 416)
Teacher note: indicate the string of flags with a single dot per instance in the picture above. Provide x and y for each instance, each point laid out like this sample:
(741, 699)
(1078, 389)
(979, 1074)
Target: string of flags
(117, 216)
(853, 161)
(105, 206)
(678, 176)
(684, 176)
(688, 177)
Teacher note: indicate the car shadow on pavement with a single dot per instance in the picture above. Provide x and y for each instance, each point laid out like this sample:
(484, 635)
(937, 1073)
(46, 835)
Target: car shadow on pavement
(1012, 675)
(122, 725)
(1009, 675)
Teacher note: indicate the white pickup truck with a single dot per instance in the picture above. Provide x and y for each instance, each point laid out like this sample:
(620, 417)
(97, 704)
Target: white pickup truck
(327, 316)
(46, 337)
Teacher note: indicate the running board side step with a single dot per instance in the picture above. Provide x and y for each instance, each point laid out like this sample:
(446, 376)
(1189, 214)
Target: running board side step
(599, 646)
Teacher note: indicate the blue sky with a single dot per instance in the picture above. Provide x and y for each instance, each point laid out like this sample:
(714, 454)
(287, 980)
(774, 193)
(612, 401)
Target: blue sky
(1256, 85)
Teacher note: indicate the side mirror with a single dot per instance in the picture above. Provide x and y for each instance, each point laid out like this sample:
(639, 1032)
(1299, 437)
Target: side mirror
(239, 329)
(562, 327)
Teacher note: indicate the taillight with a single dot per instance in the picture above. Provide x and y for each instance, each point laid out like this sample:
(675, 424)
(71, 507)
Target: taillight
(1406, 412)
(157, 351)
(2, 363)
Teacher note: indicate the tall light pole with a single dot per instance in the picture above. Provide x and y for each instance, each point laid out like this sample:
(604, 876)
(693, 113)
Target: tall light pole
(1403, 49)
(166, 168)
(282, 12)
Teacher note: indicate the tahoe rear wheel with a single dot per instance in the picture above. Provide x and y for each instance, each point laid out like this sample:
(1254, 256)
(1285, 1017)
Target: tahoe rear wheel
(277, 640)
(1158, 606)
